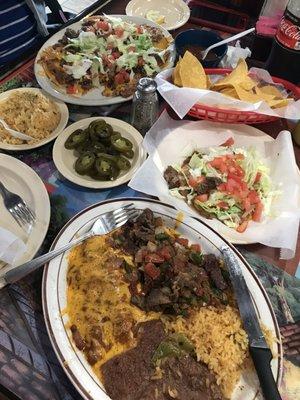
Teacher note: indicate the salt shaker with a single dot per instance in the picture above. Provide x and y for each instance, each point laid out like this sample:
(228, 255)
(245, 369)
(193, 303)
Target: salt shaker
(144, 105)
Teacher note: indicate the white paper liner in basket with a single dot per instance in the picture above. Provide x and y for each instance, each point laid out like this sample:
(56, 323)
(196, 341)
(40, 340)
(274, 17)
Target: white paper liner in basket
(169, 142)
(183, 99)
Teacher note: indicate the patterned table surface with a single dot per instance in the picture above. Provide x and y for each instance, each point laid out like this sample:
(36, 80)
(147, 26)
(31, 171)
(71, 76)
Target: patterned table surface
(29, 368)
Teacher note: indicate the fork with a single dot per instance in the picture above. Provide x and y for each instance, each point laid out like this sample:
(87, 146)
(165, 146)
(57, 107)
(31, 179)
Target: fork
(17, 207)
(103, 225)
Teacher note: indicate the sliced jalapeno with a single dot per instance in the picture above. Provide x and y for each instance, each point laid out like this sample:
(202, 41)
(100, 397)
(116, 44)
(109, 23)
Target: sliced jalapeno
(75, 139)
(95, 125)
(98, 147)
(115, 135)
(121, 144)
(112, 151)
(85, 163)
(129, 154)
(123, 163)
(100, 131)
(104, 165)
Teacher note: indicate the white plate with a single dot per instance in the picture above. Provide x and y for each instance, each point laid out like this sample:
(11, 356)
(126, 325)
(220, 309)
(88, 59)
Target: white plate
(64, 117)
(94, 97)
(22, 180)
(54, 296)
(176, 12)
(64, 159)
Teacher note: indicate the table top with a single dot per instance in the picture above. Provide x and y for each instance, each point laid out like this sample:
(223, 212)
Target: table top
(28, 365)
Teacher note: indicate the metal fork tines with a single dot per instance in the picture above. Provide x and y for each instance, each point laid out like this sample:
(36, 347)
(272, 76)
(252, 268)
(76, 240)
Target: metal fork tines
(115, 219)
(17, 207)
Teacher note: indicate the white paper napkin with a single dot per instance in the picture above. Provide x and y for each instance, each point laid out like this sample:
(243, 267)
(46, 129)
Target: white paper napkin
(183, 99)
(11, 247)
(170, 142)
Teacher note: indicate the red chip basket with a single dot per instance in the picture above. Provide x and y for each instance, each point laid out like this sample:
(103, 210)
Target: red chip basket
(201, 111)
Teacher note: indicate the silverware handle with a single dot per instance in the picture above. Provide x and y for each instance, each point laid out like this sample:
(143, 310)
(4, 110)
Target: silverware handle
(262, 359)
(22, 270)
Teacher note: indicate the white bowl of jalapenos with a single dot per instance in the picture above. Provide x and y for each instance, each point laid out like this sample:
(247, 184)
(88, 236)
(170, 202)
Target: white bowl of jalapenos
(98, 152)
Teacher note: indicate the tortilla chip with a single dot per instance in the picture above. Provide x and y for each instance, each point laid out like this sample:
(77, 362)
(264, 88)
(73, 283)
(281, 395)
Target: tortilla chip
(162, 44)
(229, 91)
(277, 103)
(247, 95)
(208, 82)
(236, 76)
(176, 77)
(270, 90)
(191, 72)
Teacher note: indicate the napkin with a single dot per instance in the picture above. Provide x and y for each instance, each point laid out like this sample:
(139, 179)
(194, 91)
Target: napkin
(169, 142)
(182, 99)
(11, 247)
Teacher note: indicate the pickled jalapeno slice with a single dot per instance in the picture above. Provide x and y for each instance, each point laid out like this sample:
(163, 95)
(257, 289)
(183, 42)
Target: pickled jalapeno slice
(129, 154)
(75, 139)
(105, 165)
(121, 144)
(123, 163)
(85, 163)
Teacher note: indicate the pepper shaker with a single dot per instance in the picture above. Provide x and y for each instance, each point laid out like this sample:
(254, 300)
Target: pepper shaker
(144, 105)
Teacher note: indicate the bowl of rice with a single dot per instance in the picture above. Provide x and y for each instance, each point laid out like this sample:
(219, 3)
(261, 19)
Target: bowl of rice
(33, 112)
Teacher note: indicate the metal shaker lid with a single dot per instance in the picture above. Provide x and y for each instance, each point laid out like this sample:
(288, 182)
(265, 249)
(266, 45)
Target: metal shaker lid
(147, 85)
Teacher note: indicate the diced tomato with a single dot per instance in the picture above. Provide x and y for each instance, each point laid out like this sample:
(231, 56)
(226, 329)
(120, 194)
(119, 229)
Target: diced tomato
(193, 182)
(222, 187)
(131, 48)
(231, 185)
(116, 54)
(165, 253)
(253, 197)
(126, 76)
(246, 204)
(119, 78)
(151, 270)
(122, 77)
(257, 178)
(195, 247)
(242, 227)
(103, 25)
(229, 142)
(223, 205)
(184, 242)
(256, 216)
(139, 29)
(232, 175)
(119, 32)
(202, 197)
(154, 258)
(72, 89)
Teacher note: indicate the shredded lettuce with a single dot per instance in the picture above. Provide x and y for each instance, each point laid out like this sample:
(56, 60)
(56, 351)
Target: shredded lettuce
(252, 164)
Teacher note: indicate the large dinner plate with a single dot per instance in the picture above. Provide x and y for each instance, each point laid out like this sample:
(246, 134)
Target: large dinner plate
(64, 159)
(64, 117)
(22, 180)
(94, 97)
(176, 12)
(54, 296)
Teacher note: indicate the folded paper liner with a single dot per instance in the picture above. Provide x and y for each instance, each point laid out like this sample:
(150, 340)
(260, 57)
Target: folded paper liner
(11, 247)
(169, 142)
(182, 99)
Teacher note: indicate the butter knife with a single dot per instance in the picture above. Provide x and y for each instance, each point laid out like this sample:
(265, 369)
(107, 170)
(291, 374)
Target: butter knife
(259, 350)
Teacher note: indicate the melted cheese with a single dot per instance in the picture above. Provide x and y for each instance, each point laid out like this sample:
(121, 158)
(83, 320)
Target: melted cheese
(98, 295)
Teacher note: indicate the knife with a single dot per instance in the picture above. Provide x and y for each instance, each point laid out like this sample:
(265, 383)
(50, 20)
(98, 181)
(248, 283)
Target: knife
(259, 350)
